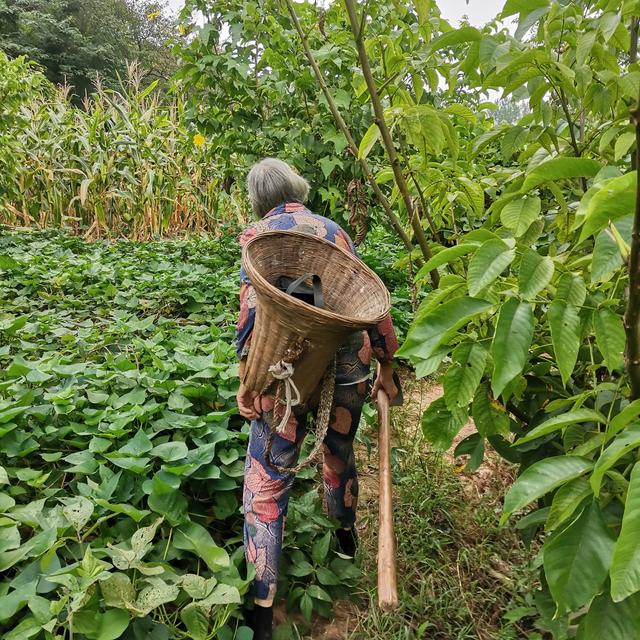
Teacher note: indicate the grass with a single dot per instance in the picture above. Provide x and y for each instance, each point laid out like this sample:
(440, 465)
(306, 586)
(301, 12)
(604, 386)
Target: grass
(458, 573)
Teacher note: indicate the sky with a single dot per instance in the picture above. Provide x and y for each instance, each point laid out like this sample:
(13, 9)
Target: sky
(478, 11)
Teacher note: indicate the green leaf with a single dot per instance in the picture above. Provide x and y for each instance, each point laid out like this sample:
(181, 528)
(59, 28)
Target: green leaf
(433, 133)
(439, 325)
(222, 594)
(512, 141)
(559, 169)
(77, 511)
(489, 261)
(489, 416)
(170, 451)
(608, 24)
(170, 504)
(369, 139)
(28, 627)
(422, 9)
(328, 164)
(565, 336)
(306, 607)
(535, 273)
(138, 445)
(157, 593)
(318, 593)
(605, 140)
(510, 346)
(621, 420)
(456, 36)
(577, 559)
(626, 441)
(33, 547)
(614, 199)
(541, 478)
(462, 110)
(133, 397)
(196, 586)
(440, 425)
(135, 514)
(519, 214)
(523, 7)
(195, 538)
(585, 43)
(320, 548)
(475, 194)
(464, 375)
(606, 258)
(196, 621)
(561, 421)
(610, 337)
(571, 289)
(7, 263)
(327, 577)
(142, 539)
(624, 144)
(625, 569)
(301, 568)
(96, 625)
(566, 500)
(118, 591)
(445, 257)
(611, 620)
(15, 601)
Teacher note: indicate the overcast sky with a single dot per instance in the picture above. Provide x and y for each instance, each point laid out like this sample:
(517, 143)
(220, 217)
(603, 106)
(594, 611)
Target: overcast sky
(478, 11)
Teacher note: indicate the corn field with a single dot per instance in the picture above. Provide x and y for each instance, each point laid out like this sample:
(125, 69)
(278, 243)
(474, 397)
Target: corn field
(123, 165)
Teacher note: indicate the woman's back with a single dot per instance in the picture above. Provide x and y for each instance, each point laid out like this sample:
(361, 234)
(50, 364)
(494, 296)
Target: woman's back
(293, 216)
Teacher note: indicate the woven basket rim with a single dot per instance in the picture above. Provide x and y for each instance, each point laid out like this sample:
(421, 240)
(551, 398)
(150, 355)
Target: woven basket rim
(281, 296)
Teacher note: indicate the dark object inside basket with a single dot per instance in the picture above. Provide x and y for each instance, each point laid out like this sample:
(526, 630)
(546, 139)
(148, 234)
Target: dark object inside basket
(298, 288)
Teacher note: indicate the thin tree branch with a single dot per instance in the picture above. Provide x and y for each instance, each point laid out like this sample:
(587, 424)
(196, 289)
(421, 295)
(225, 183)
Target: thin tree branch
(353, 147)
(386, 137)
(633, 57)
(632, 314)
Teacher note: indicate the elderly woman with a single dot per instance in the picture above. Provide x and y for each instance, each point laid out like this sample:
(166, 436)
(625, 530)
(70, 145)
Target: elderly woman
(277, 195)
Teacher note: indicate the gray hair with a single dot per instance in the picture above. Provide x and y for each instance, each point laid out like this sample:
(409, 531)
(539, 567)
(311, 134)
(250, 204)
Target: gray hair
(272, 182)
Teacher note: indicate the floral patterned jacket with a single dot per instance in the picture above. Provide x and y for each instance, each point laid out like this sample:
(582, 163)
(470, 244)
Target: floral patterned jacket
(354, 357)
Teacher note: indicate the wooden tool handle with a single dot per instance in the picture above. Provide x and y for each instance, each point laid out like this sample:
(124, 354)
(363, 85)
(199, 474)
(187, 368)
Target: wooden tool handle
(387, 581)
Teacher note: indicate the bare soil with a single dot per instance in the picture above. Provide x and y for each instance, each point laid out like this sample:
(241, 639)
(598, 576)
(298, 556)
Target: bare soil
(487, 483)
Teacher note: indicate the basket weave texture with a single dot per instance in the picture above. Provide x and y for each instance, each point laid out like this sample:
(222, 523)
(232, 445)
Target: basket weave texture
(288, 329)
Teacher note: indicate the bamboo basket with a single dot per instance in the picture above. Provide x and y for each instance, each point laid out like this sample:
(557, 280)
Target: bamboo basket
(288, 329)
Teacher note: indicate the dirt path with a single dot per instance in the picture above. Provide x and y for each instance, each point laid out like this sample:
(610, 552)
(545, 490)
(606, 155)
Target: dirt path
(488, 482)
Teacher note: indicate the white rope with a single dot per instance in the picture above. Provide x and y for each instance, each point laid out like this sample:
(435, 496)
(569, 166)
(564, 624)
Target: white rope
(284, 371)
(322, 425)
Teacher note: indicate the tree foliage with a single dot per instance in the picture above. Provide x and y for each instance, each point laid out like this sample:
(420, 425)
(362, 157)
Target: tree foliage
(76, 42)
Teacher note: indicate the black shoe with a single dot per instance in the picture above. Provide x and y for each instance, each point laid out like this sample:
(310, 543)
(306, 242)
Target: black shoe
(261, 622)
(347, 541)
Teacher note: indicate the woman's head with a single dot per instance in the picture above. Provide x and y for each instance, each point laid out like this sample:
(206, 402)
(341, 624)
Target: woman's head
(272, 182)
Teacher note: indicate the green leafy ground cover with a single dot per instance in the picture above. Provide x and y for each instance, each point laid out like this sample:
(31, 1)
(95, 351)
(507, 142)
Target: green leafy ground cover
(120, 449)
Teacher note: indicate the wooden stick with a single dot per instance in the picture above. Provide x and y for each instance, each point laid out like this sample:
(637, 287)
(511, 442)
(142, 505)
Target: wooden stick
(387, 581)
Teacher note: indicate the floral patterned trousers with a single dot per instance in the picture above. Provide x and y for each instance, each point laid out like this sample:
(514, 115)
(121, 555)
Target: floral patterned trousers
(266, 491)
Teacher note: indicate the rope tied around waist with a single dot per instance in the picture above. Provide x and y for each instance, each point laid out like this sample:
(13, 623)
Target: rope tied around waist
(322, 423)
(283, 371)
